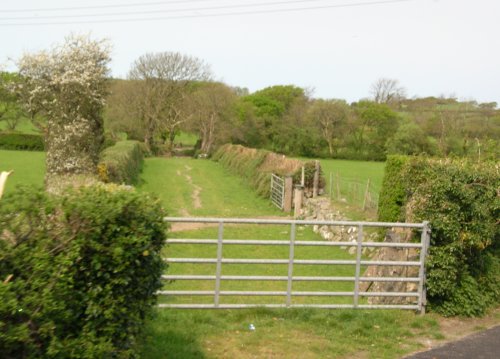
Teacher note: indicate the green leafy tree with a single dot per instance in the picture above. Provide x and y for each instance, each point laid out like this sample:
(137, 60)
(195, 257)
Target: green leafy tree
(372, 126)
(10, 110)
(330, 116)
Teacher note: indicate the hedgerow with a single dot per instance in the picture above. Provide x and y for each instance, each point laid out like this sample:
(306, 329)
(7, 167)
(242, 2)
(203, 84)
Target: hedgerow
(78, 272)
(461, 201)
(21, 141)
(256, 166)
(121, 163)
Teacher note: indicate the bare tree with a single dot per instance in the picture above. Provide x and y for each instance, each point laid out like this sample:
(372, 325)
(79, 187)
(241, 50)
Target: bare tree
(162, 82)
(210, 106)
(387, 91)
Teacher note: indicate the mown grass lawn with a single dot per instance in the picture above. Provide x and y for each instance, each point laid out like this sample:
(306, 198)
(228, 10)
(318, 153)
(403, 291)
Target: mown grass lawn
(29, 168)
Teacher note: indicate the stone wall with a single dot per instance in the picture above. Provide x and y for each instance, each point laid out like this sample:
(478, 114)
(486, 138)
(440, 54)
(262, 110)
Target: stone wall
(320, 209)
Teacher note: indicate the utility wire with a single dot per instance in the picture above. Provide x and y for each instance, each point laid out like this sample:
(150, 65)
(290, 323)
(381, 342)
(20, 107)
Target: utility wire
(254, 12)
(102, 6)
(148, 12)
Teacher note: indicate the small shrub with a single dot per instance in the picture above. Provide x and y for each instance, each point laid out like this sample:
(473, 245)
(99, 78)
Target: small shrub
(121, 163)
(21, 141)
(78, 273)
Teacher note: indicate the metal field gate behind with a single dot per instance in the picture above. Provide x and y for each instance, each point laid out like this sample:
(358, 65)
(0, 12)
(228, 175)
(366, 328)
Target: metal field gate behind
(277, 191)
(292, 263)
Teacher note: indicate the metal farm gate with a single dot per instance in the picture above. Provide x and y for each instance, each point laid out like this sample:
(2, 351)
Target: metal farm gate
(277, 191)
(289, 246)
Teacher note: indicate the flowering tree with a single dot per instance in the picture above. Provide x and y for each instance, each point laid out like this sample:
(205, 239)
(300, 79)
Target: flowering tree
(68, 86)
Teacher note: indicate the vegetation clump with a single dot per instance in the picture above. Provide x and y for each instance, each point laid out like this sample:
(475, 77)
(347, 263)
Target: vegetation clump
(462, 203)
(78, 272)
(121, 163)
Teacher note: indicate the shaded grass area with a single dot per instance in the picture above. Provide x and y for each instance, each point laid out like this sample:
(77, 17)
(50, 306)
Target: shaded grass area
(186, 139)
(292, 333)
(28, 166)
(176, 181)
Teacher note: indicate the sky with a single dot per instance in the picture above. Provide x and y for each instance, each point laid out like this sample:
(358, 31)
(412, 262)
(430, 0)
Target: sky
(336, 48)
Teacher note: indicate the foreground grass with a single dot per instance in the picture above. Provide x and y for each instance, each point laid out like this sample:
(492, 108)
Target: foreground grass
(28, 166)
(291, 333)
(201, 188)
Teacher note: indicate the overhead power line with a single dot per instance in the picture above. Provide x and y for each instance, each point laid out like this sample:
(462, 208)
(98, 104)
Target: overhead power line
(157, 11)
(190, 16)
(71, 8)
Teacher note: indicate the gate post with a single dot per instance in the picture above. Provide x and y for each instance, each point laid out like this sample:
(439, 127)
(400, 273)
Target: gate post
(422, 292)
(297, 201)
(287, 200)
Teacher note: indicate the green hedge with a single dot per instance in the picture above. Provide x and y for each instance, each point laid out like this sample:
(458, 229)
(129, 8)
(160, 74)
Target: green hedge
(78, 273)
(21, 141)
(461, 202)
(256, 166)
(245, 164)
(121, 163)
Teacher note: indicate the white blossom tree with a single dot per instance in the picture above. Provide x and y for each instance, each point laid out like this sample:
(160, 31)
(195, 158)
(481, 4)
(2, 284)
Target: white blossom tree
(67, 84)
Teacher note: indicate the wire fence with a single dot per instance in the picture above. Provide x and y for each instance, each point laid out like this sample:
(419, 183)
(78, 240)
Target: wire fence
(359, 193)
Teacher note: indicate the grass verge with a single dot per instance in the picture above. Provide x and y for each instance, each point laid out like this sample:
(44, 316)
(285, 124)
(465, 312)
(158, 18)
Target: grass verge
(305, 333)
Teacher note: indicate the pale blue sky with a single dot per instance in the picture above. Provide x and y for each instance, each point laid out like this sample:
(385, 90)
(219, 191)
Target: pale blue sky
(432, 47)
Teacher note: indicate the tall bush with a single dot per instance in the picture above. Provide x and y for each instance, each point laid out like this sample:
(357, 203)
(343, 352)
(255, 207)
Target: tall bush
(78, 273)
(462, 203)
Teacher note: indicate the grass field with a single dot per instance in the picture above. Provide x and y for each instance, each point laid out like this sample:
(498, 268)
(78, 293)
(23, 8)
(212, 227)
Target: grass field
(29, 168)
(189, 187)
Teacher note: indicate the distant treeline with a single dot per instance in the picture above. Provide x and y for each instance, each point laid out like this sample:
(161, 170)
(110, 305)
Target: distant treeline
(284, 119)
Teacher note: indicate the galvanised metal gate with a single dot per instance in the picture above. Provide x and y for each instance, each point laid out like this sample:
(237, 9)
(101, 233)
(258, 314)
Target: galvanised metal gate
(419, 294)
(277, 191)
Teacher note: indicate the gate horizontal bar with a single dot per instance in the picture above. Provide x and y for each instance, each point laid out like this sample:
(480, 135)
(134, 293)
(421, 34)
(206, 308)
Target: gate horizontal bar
(319, 306)
(295, 279)
(285, 261)
(287, 243)
(283, 293)
(290, 221)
